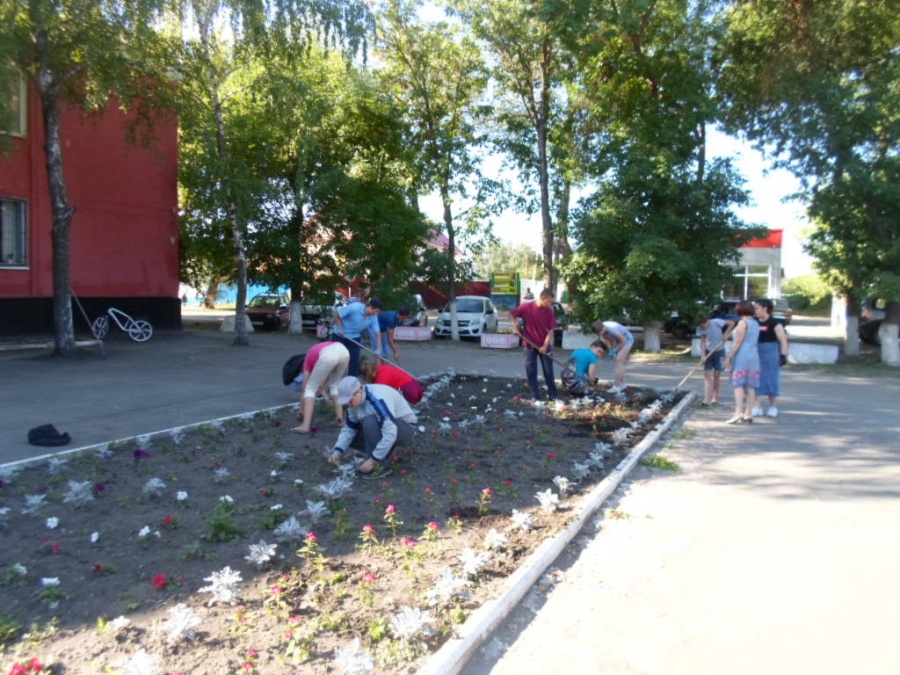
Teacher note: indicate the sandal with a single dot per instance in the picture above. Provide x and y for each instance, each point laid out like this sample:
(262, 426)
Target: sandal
(737, 419)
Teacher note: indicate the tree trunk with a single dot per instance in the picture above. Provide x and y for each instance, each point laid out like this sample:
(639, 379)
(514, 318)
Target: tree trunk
(451, 251)
(63, 324)
(653, 337)
(888, 334)
(851, 336)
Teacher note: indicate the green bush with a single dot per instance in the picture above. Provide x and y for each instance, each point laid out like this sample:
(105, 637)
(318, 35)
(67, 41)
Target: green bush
(807, 292)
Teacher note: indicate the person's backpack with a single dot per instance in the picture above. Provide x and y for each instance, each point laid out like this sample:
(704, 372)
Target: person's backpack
(292, 368)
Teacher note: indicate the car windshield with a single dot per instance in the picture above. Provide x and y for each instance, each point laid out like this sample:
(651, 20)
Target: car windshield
(265, 301)
(475, 305)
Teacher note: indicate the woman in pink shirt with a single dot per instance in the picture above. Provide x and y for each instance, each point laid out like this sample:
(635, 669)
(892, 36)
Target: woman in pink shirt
(324, 366)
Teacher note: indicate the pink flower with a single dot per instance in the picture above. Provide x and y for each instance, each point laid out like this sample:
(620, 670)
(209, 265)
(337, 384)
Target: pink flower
(35, 665)
(551, 455)
(248, 665)
(433, 525)
(293, 619)
(507, 482)
(276, 590)
(367, 529)
(252, 653)
(391, 509)
(409, 543)
(429, 491)
(311, 537)
(56, 548)
(369, 578)
(19, 669)
(160, 581)
(378, 500)
(289, 635)
(487, 492)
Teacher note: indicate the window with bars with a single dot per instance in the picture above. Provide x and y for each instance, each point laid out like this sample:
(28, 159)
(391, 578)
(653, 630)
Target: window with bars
(13, 233)
(12, 109)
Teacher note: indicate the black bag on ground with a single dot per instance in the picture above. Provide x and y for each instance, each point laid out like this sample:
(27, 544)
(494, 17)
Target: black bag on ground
(46, 434)
(292, 368)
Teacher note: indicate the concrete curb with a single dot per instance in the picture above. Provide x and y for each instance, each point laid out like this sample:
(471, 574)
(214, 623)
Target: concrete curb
(453, 656)
(118, 441)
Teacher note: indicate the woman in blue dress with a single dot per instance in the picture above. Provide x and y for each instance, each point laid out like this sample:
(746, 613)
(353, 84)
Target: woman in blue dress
(743, 361)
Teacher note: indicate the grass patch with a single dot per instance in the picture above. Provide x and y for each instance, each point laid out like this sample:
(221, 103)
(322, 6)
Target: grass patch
(660, 462)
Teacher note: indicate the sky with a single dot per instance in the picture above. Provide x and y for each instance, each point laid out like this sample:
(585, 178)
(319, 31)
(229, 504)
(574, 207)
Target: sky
(768, 189)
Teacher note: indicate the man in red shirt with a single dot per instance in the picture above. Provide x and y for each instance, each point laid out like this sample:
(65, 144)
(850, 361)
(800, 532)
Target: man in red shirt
(540, 322)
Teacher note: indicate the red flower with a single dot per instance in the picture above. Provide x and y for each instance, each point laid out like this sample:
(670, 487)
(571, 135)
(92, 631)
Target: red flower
(551, 455)
(19, 669)
(487, 492)
(36, 665)
(507, 482)
(98, 569)
(160, 581)
(56, 548)
(167, 520)
(311, 537)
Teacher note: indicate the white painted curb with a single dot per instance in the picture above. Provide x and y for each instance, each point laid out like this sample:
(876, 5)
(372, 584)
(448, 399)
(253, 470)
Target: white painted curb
(455, 653)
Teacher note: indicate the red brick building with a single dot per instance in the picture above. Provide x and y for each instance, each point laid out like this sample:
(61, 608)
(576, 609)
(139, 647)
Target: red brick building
(124, 235)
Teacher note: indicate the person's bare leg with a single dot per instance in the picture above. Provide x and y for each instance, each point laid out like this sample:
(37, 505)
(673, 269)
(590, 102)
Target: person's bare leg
(717, 385)
(738, 405)
(309, 403)
(708, 387)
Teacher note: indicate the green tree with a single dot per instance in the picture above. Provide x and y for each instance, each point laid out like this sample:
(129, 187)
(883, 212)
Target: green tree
(534, 111)
(659, 232)
(437, 77)
(77, 54)
(818, 83)
(217, 78)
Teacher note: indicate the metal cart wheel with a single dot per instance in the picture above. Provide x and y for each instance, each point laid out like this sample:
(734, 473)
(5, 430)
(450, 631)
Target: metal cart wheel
(100, 327)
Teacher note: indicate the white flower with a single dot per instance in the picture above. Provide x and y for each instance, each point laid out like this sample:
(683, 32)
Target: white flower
(52, 523)
(284, 456)
(49, 581)
(181, 623)
(335, 488)
(223, 585)
(145, 532)
(522, 520)
(221, 474)
(177, 435)
(562, 483)
(473, 561)
(19, 570)
(276, 507)
(79, 494)
(620, 436)
(445, 589)
(140, 663)
(410, 622)
(580, 470)
(95, 537)
(273, 473)
(154, 486)
(261, 553)
(549, 500)
(298, 482)
(495, 540)
(226, 499)
(7, 473)
(144, 442)
(290, 530)
(181, 495)
(353, 660)
(55, 465)
(33, 503)
(316, 510)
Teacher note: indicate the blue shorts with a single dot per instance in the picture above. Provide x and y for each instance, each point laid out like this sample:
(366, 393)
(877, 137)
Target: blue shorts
(714, 361)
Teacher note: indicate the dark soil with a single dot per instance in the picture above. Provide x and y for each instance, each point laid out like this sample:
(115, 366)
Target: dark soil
(482, 451)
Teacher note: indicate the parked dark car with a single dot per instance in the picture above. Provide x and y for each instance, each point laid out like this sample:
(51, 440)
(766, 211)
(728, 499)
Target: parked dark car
(781, 310)
(269, 311)
(871, 317)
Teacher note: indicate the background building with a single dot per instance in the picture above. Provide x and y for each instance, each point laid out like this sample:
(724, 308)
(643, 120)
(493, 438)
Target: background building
(124, 235)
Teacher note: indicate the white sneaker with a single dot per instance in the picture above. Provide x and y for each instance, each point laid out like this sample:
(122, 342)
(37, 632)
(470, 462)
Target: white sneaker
(757, 412)
(773, 412)
(615, 390)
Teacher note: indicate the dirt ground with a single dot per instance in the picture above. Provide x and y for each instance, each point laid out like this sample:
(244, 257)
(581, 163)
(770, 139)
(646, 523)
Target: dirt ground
(237, 547)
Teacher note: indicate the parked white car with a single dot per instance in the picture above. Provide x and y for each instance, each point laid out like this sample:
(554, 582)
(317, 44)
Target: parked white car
(475, 315)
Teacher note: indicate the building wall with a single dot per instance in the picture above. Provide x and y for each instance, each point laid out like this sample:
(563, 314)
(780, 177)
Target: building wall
(124, 234)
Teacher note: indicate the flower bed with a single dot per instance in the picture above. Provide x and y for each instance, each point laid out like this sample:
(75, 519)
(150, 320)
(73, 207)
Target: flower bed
(234, 546)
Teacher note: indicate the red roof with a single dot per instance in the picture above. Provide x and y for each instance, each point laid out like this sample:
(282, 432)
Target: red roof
(772, 240)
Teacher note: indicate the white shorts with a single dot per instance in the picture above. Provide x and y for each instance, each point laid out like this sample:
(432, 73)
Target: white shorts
(329, 369)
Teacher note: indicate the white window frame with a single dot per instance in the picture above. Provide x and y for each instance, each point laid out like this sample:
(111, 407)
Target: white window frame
(743, 274)
(13, 236)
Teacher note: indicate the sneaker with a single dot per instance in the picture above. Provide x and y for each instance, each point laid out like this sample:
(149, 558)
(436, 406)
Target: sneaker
(757, 412)
(377, 473)
(615, 390)
(773, 412)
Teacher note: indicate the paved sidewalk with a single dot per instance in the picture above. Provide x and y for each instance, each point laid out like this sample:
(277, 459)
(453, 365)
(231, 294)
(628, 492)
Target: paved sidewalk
(775, 550)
